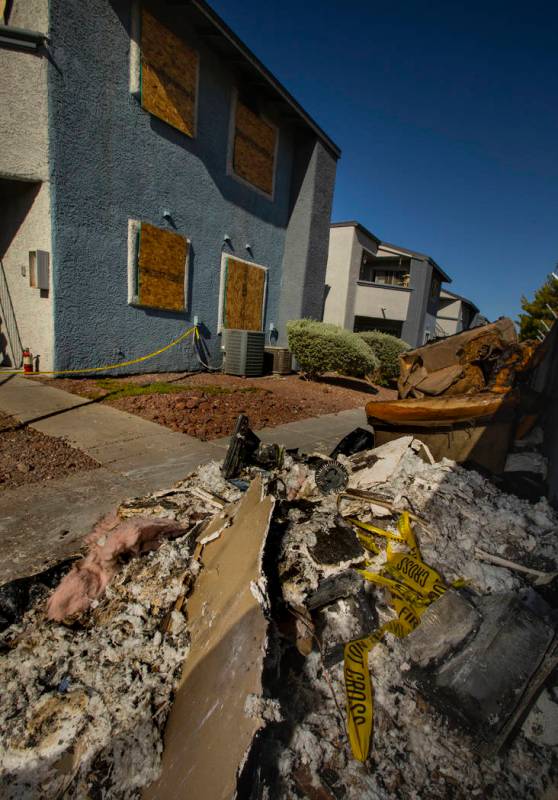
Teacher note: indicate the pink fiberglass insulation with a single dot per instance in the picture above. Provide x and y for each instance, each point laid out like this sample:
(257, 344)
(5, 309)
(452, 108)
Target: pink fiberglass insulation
(110, 539)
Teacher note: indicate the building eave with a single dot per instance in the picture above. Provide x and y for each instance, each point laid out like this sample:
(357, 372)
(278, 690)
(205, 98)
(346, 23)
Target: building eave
(395, 248)
(462, 299)
(219, 28)
(358, 226)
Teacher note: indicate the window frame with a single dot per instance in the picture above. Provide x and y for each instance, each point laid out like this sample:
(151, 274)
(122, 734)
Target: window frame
(230, 149)
(134, 228)
(221, 301)
(135, 61)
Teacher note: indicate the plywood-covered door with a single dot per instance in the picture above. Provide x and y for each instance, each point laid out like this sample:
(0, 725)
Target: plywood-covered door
(244, 295)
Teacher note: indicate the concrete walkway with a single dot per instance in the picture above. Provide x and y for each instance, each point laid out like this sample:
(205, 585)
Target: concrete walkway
(43, 523)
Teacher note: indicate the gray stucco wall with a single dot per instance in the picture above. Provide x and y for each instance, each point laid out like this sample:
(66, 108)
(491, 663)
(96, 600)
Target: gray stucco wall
(307, 238)
(413, 327)
(112, 161)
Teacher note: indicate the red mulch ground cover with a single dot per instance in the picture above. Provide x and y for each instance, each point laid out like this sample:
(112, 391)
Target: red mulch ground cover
(28, 456)
(206, 405)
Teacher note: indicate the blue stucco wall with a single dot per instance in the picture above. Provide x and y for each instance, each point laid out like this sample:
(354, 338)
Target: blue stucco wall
(111, 161)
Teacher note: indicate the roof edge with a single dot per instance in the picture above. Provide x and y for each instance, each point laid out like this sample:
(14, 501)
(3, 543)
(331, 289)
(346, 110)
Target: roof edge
(420, 257)
(463, 299)
(358, 226)
(219, 23)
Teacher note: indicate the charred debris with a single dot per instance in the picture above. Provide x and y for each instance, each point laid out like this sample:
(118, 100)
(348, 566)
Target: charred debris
(371, 623)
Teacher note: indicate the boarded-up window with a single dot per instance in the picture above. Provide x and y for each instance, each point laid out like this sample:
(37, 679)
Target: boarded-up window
(244, 295)
(169, 75)
(161, 268)
(254, 148)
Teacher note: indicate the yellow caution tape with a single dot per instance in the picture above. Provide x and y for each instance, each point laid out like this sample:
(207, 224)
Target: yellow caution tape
(415, 574)
(358, 686)
(406, 531)
(183, 336)
(368, 542)
(413, 586)
(400, 589)
(365, 526)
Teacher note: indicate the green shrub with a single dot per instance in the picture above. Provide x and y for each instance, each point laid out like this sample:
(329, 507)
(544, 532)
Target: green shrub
(321, 347)
(387, 349)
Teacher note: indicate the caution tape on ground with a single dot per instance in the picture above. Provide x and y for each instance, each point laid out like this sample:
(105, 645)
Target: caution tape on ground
(107, 367)
(413, 586)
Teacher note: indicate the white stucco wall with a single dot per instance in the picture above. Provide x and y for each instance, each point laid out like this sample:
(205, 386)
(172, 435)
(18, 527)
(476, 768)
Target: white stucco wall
(450, 315)
(338, 273)
(33, 313)
(375, 300)
(24, 157)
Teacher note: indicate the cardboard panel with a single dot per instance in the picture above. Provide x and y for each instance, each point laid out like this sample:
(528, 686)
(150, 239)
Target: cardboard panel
(208, 732)
(254, 149)
(161, 268)
(244, 295)
(169, 75)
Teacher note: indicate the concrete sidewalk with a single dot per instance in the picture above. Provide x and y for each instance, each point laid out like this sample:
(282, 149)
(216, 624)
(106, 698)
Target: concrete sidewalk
(42, 523)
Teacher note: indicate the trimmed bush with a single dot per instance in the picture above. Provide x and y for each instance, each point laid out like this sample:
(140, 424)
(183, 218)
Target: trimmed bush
(387, 349)
(321, 347)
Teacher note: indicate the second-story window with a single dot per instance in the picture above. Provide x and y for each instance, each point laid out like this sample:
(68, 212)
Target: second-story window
(169, 75)
(389, 272)
(254, 146)
(367, 268)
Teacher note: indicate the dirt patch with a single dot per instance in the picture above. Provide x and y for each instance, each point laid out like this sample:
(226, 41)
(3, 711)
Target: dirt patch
(27, 456)
(207, 405)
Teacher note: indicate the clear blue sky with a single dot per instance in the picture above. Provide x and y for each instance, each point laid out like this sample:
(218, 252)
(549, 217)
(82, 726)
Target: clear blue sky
(447, 116)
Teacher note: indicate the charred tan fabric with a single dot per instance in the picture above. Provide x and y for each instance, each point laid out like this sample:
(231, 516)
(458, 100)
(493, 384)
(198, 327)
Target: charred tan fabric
(209, 731)
(169, 75)
(161, 268)
(244, 295)
(459, 364)
(475, 428)
(254, 149)
(440, 409)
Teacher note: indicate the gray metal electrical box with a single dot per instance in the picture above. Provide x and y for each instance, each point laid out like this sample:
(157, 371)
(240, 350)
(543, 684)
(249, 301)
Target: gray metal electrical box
(244, 352)
(39, 272)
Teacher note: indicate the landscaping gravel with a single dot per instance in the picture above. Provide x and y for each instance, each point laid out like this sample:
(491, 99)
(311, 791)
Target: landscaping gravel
(207, 405)
(27, 456)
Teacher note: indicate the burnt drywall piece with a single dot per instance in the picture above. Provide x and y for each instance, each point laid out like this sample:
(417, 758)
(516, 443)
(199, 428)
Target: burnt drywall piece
(336, 545)
(210, 729)
(481, 685)
(444, 626)
(333, 588)
(363, 621)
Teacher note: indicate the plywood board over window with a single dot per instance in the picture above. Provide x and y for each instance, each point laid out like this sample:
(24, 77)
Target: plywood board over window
(244, 295)
(169, 75)
(254, 150)
(161, 268)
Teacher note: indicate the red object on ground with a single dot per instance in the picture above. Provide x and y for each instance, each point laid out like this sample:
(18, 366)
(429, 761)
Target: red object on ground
(27, 360)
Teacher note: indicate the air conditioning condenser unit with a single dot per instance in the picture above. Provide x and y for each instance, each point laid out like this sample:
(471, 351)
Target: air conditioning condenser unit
(244, 352)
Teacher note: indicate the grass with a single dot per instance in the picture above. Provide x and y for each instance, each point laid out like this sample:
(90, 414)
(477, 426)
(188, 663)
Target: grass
(117, 389)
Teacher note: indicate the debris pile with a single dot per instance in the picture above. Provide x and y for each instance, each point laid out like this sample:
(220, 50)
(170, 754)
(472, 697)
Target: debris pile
(417, 749)
(84, 704)
(489, 357)
(464, 395)
(260, 636)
